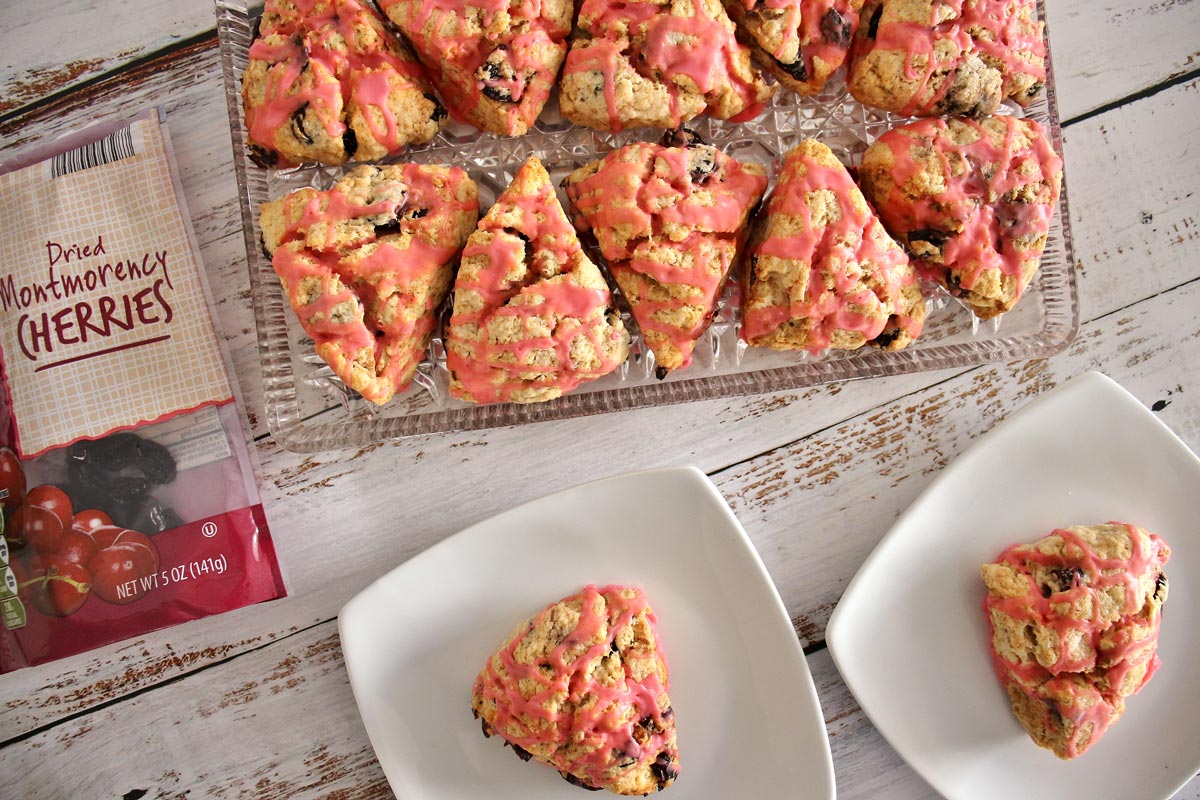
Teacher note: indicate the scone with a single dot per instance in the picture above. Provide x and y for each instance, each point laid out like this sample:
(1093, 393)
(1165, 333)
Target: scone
(533, 316)
(494, 63)
(582, 687)
(658, 64)
(670, 222)
(821, 271)
(326, 82)
(922, 58)
(972, 201)
(801, 42)
(366, 264)
(1074, 621)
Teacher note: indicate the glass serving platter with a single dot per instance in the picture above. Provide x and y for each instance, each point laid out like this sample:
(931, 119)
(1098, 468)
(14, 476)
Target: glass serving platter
(309, 409)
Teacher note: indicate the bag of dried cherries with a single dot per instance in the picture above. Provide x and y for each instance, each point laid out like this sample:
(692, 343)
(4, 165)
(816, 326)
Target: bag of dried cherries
(127, 488)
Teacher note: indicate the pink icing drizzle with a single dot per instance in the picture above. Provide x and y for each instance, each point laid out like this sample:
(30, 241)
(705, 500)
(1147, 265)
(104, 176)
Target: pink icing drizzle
(632, 191)
(846, 240)
(604, 726)
(1122, 654)
(989, 226)
(370, 281)
(577, 310)
(698, 47)
(991, 27)
(313, 39)
(454, 54)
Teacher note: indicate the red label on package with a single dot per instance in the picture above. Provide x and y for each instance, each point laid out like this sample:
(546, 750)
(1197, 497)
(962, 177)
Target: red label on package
(126, 483)
(189, 572)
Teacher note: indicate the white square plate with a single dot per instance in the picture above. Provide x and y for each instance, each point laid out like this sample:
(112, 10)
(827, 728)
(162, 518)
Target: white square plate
(749, 721)
(911, 641)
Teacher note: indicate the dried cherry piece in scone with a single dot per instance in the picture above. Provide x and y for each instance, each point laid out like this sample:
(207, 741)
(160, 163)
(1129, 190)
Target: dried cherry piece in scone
(53, 499)
(835, 28)
(12, 479)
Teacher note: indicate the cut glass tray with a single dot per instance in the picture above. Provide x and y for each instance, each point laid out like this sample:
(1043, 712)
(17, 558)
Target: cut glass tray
(309, 409)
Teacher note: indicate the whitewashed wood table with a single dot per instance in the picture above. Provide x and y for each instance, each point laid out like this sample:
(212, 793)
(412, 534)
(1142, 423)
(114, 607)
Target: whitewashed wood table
(256, 703)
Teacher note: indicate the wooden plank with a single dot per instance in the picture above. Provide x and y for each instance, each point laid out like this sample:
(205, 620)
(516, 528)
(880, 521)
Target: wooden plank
(307, 495)
(222, 734)
(84, 39)
(290, 731)
(1132, 182)
(1155, 41)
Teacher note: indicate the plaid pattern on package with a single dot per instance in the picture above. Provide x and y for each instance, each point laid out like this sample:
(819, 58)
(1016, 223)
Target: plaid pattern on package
(126, 484)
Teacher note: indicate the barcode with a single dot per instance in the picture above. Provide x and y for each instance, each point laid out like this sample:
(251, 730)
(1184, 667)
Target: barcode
(111, 148)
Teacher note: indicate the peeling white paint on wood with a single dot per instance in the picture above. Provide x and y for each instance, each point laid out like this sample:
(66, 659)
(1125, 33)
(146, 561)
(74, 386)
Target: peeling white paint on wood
(816, 476)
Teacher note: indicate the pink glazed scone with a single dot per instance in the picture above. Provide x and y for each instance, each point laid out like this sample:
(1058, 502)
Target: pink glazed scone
(1074, 620)
(582, 687)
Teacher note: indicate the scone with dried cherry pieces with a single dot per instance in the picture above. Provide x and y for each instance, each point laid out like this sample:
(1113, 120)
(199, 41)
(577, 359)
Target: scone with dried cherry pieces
(657, 64)
(493, 61)
(670, 221)
(366, 264)
(582, 687)
(1074, 621)
(327, 82)
(971, 200)
(801, 42)
(821, 271)
(924, 58)
(533, 316)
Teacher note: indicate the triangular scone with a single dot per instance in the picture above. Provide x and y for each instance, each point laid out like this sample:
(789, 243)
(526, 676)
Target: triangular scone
(1074, 620)
(582, 687)
(800, 42)
(670, 222)
(327, 82)
(494, 64)
(821, 271)
(657, 63)
(533, 316)
(971, 199)
(366, 264)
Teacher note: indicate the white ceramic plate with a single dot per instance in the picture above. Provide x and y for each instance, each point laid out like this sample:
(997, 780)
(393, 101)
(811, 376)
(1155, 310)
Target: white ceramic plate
(749, 721)
(911, 641)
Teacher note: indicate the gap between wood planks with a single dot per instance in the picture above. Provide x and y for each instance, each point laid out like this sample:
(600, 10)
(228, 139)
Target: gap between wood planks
(1150, 91)
(130, 72)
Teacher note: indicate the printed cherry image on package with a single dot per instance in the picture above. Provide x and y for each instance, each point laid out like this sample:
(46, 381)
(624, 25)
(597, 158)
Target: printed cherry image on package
(127, 490)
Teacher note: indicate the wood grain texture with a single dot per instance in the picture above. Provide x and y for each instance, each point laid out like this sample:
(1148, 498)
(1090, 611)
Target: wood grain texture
(255, 703)
(1141, 39)
(307, 494)
(80, 40)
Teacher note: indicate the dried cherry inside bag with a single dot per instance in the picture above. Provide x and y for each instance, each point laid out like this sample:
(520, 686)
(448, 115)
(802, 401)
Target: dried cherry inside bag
(126, 484)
